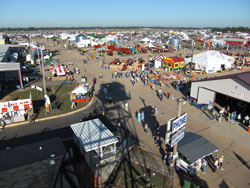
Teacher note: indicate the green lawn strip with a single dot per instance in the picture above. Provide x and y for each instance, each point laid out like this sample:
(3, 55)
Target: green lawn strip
(25, 94)
(62, 101)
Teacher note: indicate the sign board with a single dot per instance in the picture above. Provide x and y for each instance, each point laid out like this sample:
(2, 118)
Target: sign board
(178, 136)
(179, 122)
(168, 131)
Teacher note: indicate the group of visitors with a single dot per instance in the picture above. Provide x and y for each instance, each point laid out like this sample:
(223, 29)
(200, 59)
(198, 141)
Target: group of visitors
(218, 162)
(116, 75)
(103, 66)
(141, 118)
(234, 117)
(200, 165)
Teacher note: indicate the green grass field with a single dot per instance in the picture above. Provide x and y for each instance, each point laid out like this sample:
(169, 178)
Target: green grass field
(61, 103)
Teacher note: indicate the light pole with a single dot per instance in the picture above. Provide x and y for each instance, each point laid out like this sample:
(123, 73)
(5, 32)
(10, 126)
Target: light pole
(46, 98)
(44, 84)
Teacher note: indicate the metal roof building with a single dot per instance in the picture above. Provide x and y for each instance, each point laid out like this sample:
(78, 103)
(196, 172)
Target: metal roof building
(94, 139)
(234, 85)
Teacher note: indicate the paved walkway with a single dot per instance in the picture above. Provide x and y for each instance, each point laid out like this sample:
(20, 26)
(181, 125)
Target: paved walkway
(232, 140)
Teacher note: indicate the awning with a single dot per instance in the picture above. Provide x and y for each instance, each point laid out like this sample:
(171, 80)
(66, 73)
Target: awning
(81, 89)
(194, 147)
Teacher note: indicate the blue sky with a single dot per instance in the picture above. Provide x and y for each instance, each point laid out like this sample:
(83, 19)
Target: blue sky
(169, 13)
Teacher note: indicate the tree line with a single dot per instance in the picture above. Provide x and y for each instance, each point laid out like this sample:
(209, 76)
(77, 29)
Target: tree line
(232, 29)
(214, 29)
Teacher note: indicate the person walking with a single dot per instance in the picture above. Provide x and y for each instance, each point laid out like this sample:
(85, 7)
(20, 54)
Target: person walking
(204, 166)
(239, 118)
(155, 110)
(246, 120)
(221, 161)
(234, 115)
(139, 117)
(126, 106)
(142, 116)
(197, 170)
(160, 94)
(215, 164)
(146, 128)
(168, 94)
(221, 113)
(157, 137)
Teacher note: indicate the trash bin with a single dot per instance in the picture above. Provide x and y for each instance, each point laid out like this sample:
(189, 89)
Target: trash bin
(187, 184)
(195, 186)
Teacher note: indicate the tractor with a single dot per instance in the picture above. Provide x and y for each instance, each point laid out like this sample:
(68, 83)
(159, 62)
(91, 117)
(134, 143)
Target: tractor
(116, 61)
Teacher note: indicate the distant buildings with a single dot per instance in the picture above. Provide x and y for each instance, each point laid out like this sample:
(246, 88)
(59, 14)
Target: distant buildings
(175, 41)
(10, 72)
(4, 39)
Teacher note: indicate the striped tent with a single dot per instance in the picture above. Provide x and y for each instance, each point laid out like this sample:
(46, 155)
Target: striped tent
(59, 70)
(158, 61)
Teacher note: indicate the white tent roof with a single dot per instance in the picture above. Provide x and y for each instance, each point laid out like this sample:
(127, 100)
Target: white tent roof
(59, 70)
(93, 134)
(81, 89)
(211, 61)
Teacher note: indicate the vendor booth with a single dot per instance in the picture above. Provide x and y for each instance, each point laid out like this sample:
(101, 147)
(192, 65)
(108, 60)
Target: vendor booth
(14, 111)
(58, 70)
(192, 148)
(82, 94)
(158, 61)
(173, 63)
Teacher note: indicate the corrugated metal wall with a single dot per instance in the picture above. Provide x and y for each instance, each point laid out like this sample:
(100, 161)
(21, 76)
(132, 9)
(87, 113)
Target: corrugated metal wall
(205, 96)
(231, 87)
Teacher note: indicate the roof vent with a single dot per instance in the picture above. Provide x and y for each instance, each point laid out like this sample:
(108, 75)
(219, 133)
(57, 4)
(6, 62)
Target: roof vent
(52, 162)
(52, 155)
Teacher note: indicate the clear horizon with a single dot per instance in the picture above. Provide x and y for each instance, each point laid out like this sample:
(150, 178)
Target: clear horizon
(148, 13)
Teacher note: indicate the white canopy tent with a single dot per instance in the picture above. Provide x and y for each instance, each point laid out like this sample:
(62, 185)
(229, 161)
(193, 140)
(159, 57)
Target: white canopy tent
(211, 61)
(81, 89)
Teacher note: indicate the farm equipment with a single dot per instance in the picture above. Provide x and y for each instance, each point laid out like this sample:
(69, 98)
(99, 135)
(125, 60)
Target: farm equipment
(111, 47)
(116, 61)
(110, 52)
(124, 50)
(130, 62)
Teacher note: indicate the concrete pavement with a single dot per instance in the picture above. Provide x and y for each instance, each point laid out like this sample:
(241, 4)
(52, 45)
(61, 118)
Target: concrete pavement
(232, 140)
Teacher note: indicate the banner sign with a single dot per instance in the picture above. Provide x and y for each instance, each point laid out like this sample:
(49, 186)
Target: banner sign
(179, 123)
(177, 136)
(15, 105)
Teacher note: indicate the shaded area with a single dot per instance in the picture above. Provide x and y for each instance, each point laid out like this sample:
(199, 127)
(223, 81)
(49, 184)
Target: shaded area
(223, 184)
(242, 160)
(186, 179)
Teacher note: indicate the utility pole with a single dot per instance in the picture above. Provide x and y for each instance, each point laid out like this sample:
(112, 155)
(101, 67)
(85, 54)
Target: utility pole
(179, 103)
(42, 61)
(190, 70)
